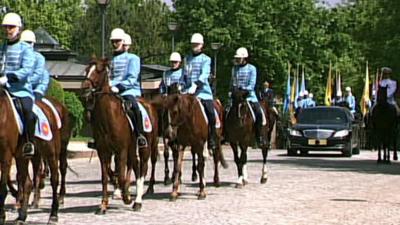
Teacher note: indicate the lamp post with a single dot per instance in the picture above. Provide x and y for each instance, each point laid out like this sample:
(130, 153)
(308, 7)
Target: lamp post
(103, 6)
(215, 46)
(173, 26)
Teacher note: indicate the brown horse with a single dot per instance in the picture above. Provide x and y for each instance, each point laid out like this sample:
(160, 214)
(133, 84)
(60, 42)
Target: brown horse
(240, 131)
(384, 126)
(114, 136)
(190, 129)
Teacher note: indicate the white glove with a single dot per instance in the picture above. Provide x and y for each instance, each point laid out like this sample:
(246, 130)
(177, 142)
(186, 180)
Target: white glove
(192, 89)
(114, 89)
(3, 80)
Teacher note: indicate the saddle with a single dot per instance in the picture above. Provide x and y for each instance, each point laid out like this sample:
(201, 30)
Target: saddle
(42, 128)
(147, 126)
(217, 120)
(253, 115)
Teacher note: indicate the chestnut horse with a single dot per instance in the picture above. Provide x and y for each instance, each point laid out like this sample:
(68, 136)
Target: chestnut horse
(113, 135)
(384, 126)
(240, 131)
(191, 129)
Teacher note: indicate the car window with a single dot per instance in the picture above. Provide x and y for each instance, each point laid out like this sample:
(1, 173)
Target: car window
(322, 116)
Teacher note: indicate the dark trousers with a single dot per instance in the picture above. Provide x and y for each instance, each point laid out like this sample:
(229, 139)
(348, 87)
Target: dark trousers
(134, 113)
(210, 113)
(257, 111)
(29, 117)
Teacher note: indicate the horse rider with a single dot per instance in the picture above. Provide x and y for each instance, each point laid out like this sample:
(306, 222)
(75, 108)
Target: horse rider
(125, 81)
(174, 74)
(305, 102)
(18, 60)
(244, 77)
(41, 77)
(350, 100)
(268, 95)
(312, 102)
(391, 86)
(196, 72)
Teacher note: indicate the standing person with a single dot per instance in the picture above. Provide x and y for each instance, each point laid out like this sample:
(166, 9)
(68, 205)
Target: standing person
(41, 77)
(269, 96)
(18, 60)
(196, 73)
(244, 77)
(174, 74)
(125, 80)
(350, 100)
(312, 101)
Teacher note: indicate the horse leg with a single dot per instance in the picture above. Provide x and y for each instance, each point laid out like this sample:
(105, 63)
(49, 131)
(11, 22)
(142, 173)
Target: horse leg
(243, 159)
(178, 162)
(153, 158)
(194, 167)
(105, 159)
(36, 165)
(63, 171)
(201, 171)
(5, 170)
(264, 174)
(120, 161)
(11, 187)
(395, 147)
(238, 165)
(143, 164)
(54, 180)
(26, 182)
(216, 161)
(167, 180)
(116, 175)
(379, 153)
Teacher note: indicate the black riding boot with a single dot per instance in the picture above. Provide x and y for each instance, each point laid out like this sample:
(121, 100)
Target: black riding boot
(136, 117)
(28, 149)
(212, 134)
(260, 139)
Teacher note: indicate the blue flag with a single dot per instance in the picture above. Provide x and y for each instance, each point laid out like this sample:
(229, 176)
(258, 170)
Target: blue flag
(286, 103)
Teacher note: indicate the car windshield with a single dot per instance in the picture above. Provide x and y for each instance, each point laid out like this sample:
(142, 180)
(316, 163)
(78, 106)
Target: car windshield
(322, 116)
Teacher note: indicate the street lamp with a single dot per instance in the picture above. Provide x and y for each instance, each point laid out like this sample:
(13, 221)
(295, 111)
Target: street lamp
(215, 46)
(103, 6)
(173, 26)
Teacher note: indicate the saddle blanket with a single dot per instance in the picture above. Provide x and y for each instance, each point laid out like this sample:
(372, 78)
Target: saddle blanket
(54, 110)
(217, 120)
(42, 128)
(264, 120)
(147, 127)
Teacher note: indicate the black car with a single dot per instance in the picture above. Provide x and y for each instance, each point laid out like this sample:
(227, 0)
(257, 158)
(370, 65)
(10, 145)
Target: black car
(324, 129)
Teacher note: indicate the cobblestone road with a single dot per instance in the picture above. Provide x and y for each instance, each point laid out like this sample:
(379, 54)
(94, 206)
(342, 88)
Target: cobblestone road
(316, 189)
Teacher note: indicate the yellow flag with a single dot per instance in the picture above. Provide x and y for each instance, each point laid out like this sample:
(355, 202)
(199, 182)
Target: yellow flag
(292, 100)
(365, 97)
(328, 90)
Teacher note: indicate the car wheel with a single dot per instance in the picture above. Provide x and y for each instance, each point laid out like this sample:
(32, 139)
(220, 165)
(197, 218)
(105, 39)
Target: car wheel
(304, 152)
(348, 150)
(356, 151)
(291, 152)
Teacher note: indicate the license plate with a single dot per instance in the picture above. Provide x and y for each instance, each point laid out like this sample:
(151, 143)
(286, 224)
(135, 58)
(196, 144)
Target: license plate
(317, 142)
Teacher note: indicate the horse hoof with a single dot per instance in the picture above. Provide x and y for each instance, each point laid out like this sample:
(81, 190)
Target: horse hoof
(395, 158)
(194, 177)
(137, 207)
(100, 211)
(263, 180)
(61, 201)
(201, 196)
(34, 205)
(245, 182)
(217, 184)
(41, 185)
(127, 200)
(117, 194)
(173, 197)
(20, 222)
(239, 186)
(167, 181)
(53, 220)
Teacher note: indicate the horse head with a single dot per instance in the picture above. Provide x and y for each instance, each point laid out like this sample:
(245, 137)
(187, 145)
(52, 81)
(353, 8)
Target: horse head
(382, 95)
(175, 88)
(239, 99)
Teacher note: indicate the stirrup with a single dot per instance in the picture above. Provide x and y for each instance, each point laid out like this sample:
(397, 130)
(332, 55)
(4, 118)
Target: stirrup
(91, 144)
(28, 149)
(141, 141)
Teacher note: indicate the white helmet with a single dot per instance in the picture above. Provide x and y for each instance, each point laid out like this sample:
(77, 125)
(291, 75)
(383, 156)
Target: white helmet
(175, 57)
(348, 89)
(197, 38)
(305, 92)
(12, 19)
(241, 53)
(127, 39)
(311, 95)
(28, 36)
(301, 94)
(117, 34)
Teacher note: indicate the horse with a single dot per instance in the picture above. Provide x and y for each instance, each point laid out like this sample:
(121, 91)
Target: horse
(114, 136)
(239, 131)
(169, 142)
(384, 126)
(190, 128)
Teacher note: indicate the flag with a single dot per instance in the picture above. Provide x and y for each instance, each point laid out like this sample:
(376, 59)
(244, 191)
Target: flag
(288, 92)
(303, 84)
(338, 85)
(293, 95)
(365, 97)
(297, 91)
(328, 90)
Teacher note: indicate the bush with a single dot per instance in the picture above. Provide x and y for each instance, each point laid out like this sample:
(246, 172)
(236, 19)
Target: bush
(75, 108)
(55, 90)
